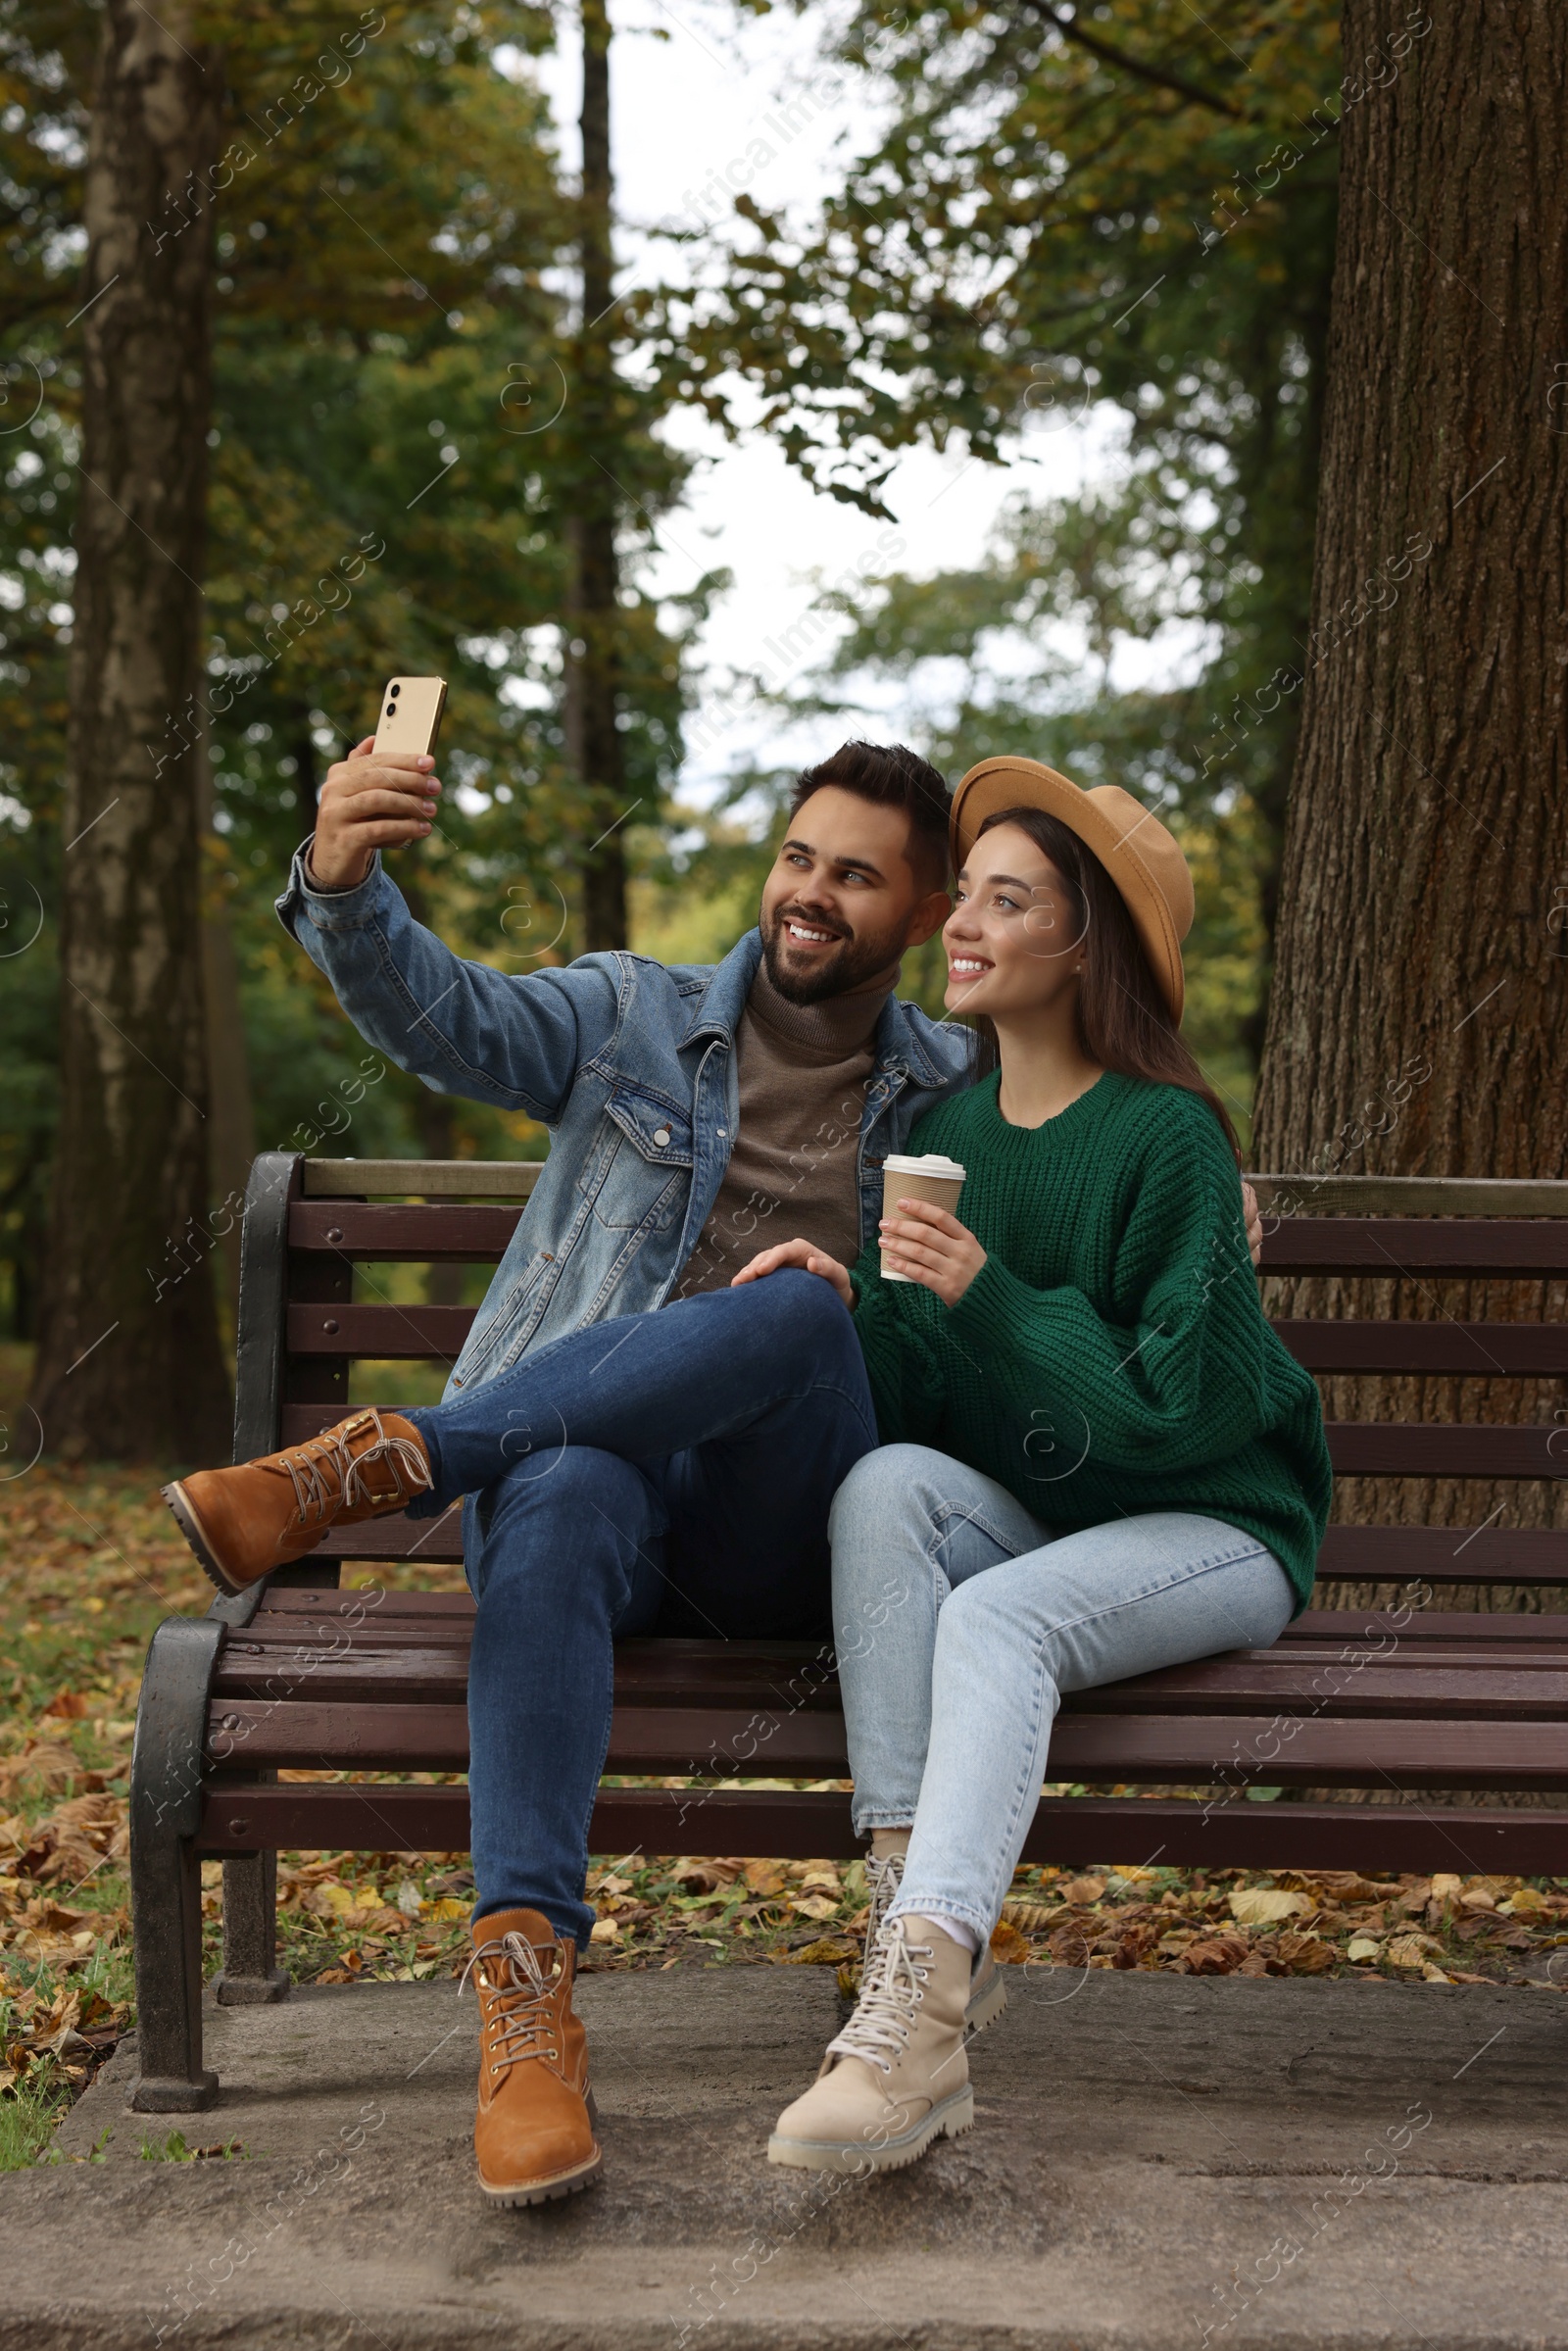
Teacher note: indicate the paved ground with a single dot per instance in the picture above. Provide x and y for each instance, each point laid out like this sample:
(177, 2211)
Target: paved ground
(1288, 2164)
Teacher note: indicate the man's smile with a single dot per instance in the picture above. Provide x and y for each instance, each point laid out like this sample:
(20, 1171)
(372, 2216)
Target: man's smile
(802, 934)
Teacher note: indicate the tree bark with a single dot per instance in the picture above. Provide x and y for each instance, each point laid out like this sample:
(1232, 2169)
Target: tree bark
(129, 1363)
(593, 668)
(1417, 1016)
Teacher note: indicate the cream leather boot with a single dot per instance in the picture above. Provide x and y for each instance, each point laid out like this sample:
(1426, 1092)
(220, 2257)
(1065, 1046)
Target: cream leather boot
(884, 1875)
(897, 2076)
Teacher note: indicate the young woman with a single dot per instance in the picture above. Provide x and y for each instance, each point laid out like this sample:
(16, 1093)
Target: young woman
(1098, 1459)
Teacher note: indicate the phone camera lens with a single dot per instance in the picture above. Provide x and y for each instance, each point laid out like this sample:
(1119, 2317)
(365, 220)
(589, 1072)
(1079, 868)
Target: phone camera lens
(394, 691)
(391, 709)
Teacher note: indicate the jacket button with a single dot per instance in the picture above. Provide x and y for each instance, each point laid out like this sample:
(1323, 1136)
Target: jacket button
(661, 1136)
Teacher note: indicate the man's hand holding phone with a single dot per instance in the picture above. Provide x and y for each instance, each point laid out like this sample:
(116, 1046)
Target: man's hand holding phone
(384, 793)
(371, 800)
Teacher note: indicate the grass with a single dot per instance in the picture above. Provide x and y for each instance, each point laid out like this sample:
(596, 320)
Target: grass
(27, 2119)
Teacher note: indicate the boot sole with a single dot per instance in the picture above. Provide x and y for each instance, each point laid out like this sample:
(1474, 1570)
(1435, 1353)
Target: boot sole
(986, 2006)
(195, 1534)
(545, 2191)
(946, 2120)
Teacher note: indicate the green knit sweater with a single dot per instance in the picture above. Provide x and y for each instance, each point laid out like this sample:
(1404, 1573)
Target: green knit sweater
(1110, 1357)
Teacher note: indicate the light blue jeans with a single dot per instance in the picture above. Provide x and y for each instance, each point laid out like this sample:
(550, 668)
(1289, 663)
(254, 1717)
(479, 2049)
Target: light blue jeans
(960, 1623)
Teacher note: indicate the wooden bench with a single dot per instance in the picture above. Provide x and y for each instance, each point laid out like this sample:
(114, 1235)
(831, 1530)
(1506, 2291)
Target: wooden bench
(301, 1676)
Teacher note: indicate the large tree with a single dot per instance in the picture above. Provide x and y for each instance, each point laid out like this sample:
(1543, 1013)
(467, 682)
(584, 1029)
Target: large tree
(1418, 1011)
(125, 1368)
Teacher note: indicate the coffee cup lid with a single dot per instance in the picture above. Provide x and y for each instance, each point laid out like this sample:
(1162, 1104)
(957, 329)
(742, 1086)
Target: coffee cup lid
(932, 1163)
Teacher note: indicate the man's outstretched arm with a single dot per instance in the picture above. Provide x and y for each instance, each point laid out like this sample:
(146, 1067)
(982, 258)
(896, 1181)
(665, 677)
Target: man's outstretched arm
(515, 1042)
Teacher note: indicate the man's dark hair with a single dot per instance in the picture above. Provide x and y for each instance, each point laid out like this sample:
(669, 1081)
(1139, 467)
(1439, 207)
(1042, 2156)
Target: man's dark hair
(892, 776)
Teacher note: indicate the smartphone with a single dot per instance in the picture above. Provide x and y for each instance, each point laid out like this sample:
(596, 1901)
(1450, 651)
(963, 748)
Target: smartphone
(411, 714)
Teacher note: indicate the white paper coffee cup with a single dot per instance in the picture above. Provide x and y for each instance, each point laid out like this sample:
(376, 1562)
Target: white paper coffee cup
(930, 1177)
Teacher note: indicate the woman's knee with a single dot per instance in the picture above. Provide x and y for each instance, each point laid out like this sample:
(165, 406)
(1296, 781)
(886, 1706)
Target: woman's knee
(889, 1485)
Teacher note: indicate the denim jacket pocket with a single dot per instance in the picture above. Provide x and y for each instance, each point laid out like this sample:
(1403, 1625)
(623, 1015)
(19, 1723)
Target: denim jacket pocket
(490, 1333)
(638, 1169)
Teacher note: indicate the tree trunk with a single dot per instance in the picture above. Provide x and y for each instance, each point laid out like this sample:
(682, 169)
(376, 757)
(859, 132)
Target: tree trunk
(594, 749)
(129, 1363)
(232, 1119)
(1417, 1017)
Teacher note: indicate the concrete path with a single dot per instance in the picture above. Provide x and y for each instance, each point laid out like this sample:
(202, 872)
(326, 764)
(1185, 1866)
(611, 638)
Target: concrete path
(1159, 2163)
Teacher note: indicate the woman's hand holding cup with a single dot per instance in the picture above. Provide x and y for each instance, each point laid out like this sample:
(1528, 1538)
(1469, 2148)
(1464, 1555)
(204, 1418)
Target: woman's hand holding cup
(926, 1244)
(808, 1259)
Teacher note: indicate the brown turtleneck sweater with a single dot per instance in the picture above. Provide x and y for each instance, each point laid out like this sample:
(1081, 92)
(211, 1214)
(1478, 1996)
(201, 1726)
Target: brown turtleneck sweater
(803, 1071)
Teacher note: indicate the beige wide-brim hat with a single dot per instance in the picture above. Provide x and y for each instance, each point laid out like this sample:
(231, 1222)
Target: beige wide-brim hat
(1141, 856)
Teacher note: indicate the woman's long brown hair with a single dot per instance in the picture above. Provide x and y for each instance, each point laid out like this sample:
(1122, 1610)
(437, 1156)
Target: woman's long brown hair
(1123, 1022)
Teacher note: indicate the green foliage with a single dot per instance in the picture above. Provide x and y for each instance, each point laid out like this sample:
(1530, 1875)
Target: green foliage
(394, 452)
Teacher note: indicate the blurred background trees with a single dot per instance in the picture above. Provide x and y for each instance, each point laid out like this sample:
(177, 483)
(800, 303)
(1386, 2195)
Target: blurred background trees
(391, 466)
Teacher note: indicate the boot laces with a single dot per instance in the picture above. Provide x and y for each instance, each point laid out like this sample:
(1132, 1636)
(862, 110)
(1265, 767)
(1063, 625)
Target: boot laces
(891, 1992)
(521, 2024)
(314, 1493)
(883, 1878)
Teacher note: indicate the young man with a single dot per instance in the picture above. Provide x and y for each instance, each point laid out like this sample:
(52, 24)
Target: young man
(696, 1113)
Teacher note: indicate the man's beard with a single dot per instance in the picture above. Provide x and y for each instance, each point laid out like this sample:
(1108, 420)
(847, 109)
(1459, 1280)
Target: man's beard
(854, 960)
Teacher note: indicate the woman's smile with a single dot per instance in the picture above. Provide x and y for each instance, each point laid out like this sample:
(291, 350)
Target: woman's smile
(968, 967)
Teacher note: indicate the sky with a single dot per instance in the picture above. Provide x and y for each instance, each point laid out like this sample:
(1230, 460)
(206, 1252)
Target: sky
(696, 100)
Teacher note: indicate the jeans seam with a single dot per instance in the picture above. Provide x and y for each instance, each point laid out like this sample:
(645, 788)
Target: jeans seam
(1173, 1583)
(947, 1512)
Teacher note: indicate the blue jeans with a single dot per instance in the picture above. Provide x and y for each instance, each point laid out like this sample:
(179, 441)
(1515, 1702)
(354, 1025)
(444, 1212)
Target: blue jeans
(667, 1472)
(960, 1623)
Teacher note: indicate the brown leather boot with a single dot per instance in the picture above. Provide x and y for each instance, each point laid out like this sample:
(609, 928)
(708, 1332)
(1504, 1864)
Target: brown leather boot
(534, 2132)
(241, 1523)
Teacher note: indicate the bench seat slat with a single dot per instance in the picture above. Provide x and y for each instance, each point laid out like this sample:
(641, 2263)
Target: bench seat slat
(1453, 1751)
(413, 1676)
(795, 1824)
(1363, 1676)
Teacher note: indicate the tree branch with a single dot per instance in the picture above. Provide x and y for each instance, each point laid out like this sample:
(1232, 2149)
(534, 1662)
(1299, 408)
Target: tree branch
(1160, 76)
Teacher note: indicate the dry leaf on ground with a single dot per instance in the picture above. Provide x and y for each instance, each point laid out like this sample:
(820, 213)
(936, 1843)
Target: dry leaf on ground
(1265, 1906)
(1304, 1954)
(1213, 1955)
(816, 1906)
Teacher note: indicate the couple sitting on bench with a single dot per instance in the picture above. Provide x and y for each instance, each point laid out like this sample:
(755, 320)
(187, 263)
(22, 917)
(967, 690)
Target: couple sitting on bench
(1039, 1446)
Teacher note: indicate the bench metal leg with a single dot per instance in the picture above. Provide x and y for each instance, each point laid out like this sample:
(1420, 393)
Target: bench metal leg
(251, 1976)
(166, 1921)
(165, 1888)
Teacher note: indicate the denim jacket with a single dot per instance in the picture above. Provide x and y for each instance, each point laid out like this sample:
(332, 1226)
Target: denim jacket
(629, 1063)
